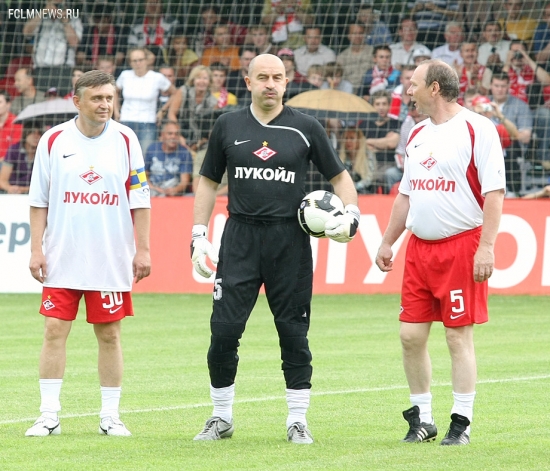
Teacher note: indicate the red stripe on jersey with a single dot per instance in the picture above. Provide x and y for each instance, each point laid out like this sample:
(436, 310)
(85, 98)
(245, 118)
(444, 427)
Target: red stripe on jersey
(471, 172)
(416, 131)
(51, 139)
(127, 184)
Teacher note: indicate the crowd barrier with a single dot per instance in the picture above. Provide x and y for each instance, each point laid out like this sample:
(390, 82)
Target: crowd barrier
(522, 250)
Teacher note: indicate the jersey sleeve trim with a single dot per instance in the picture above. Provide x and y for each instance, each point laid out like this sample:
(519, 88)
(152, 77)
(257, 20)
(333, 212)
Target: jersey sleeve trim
(413, 134)
(51, 139)
(128, 181)
(471, 172)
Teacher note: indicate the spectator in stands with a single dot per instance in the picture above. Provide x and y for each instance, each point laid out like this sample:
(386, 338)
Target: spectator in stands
(315, 76)
(358, 159)
(297, 83)
(218, 88)
(168, 164)
(541, 41)
(516, 23)
(287, 19)
(293, 76)
(140, 90)
(16, 170)
(542, 127)
(382, 133)
(235, 79)
(357, 58)
(376, 32)
(475, 14)
(420, 56)
(519, 113)
(393, 175)
(506, 129)
(24, 82)
(382, 76)
(76, 73)
(259, 37)
(102, 37)
(164, 98)
(400, 99)
(223, 50)
(402, 51)
(193, 107)
(56, 38)
(203, 32)
(493, 52)
(313, 52)
(469, 96)
(522, 71)
(197, 164)
(450, 51)
(471, 73)
(431, 19)
(332, 74)
(107, 64)
(10, 133)
(153, 30)
(179, 56)
(544, 193)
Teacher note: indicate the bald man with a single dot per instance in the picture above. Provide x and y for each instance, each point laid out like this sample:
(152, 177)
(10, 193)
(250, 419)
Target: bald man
(266, 149)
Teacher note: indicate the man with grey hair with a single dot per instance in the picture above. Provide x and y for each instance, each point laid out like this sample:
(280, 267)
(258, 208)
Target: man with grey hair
(450, 198)
(450, 51)
(88, 195)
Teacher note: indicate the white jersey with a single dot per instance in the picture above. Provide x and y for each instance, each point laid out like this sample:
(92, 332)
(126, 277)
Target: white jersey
(448, 170)
(89, 187)
(140, 95)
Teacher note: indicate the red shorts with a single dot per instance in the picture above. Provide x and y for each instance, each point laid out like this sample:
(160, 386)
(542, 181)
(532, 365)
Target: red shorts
(438, 283)
(102, 307)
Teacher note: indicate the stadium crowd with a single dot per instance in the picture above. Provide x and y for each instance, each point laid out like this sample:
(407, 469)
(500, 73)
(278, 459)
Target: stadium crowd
(176, 74)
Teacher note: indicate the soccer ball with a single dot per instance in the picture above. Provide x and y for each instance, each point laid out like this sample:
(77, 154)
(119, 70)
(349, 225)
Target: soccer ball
(316, 209)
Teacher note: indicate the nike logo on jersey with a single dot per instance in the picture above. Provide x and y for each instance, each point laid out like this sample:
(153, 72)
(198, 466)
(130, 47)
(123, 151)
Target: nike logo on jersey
(68, 155)
(112, 311)
(417, 145)
(456, 317)
(238, 143)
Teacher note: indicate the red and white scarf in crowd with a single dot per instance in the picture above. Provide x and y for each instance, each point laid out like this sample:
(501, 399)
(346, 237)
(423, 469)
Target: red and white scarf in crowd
(519, 82)
(159, 34)
(109, 47)
(222, 99)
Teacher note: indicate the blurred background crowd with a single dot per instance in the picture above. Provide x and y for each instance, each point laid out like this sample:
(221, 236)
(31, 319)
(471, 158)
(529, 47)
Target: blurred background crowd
(180, 64)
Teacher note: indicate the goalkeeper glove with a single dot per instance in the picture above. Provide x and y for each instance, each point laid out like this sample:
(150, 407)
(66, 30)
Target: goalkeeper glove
(200, 248)
(344, 227)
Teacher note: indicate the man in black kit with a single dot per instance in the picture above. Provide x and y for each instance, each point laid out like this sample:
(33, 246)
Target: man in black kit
(266, 149)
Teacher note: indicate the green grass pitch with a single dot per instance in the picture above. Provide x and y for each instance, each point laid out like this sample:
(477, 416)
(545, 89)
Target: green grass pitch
(359, 391)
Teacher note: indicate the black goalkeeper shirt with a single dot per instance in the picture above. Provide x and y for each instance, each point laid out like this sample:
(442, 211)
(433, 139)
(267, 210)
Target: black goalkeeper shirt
(267, 164)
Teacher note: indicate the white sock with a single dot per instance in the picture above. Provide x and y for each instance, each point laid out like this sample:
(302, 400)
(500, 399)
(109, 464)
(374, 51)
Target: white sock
(298, 404)
(424, 403)
(464, 405)
(50, 390)
(222, 398)
(110, 400)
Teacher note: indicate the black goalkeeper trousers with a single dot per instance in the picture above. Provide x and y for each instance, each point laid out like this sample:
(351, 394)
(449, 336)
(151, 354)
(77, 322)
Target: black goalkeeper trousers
(277, 255)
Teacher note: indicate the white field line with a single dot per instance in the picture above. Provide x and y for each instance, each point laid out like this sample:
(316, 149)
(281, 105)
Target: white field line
(277, 398)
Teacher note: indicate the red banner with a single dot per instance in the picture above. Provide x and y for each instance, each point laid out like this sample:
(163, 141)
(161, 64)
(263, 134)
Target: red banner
(522, 250)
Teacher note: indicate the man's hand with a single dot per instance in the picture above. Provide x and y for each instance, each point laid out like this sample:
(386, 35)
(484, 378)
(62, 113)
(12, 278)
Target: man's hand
(384, 258)
(344, 227)
(37, 266)
(200, 248)
(141, 265)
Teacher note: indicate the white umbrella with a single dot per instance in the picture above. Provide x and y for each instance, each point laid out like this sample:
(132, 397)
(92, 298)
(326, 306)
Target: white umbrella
(56, 110)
